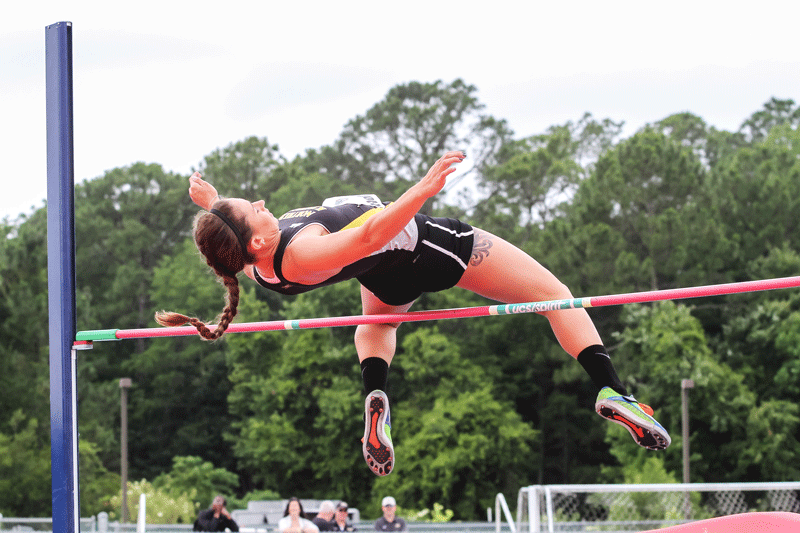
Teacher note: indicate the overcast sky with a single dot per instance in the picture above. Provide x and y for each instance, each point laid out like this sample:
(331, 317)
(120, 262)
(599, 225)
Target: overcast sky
(169, 82)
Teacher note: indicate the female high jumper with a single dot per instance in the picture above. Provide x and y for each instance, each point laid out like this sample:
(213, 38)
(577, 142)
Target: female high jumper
(396, 254)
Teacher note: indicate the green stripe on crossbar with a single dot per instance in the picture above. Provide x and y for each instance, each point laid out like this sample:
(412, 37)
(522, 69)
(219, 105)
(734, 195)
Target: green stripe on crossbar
(97, 335)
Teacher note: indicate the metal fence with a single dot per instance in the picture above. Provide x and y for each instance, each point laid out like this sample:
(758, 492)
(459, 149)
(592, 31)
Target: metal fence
(23, 525)
(98, 525)
(546, 508)
(622, 508)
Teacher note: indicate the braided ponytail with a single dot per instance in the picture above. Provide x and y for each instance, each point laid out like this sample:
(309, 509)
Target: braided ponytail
(223, 320)
(224, 254)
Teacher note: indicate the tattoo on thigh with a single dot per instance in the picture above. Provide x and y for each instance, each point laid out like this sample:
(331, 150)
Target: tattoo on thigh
(482, 241)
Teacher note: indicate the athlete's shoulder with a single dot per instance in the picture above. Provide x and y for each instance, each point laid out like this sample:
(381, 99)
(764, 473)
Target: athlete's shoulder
(302, 212)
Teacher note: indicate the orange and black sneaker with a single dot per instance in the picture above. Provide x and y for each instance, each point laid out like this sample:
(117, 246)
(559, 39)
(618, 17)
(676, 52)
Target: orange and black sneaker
(636, 417)
(377, 441)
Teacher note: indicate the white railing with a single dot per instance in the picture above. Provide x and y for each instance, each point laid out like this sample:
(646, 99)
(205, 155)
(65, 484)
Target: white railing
(500, 503)
(41, 525)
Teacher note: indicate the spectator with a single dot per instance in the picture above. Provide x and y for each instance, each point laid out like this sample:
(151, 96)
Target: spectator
(324, 518)
(294, 520)
(216, 518)
(340, 522)
(389, 522)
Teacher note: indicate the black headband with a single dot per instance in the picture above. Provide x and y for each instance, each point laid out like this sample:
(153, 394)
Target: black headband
(235, 230)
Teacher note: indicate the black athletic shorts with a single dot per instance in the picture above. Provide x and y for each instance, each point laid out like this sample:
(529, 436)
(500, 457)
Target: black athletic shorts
(441, 256)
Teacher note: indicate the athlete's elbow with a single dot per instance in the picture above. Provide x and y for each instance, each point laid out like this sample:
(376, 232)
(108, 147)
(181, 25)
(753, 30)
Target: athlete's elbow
(372, 239)
(370, 246)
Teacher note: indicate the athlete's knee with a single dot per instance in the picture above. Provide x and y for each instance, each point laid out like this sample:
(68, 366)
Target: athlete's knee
(560, 291)
(553, 290)
(372, 331)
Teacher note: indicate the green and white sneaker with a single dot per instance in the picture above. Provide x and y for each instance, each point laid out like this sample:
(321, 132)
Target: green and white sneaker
(636, 417)
(377, 441)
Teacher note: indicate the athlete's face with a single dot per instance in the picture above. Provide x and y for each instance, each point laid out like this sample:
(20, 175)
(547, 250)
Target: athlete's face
(256, 216)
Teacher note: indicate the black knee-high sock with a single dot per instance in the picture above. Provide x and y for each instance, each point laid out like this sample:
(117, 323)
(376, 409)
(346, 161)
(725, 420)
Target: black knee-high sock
(375, 373)
(597, 364)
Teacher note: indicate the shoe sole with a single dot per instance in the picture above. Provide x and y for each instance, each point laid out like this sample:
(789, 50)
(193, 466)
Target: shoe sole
(377, 447)
(648, 435)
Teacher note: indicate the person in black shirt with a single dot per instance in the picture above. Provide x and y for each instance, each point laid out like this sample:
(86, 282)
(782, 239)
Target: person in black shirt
(324, 518)
(215, 518)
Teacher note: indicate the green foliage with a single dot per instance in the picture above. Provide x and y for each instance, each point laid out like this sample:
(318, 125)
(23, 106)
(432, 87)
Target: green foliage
(197, 479)
(479, 407)
(395, 142)
(773, 424)
(23, 318)
(776, 112)
(97, 484)
(755, 193)
(180, 385)
(160, 506)
(464, 446)
(245, 169)
(665, 344)
(534, 175)
(437, 515)
(141, 208)
(303, 189)
(295, 395)
(24, 463)
(454, 438)
(643, 189)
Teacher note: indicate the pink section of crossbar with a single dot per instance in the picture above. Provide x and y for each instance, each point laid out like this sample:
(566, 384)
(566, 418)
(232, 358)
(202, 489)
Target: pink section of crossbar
(466, 312)
(740, 523)
(310, 323)
(696, 292)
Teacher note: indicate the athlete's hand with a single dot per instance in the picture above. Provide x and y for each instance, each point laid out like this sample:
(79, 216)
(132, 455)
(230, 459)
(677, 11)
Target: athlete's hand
(436, 177)
(202, 193)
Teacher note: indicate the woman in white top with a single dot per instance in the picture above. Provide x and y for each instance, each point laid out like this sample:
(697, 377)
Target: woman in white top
(293, 521)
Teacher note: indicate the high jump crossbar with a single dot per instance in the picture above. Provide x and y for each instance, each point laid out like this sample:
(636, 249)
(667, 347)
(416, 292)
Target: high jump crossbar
(463, 312)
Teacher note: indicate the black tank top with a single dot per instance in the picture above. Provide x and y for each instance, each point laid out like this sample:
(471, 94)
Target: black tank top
(333, 219)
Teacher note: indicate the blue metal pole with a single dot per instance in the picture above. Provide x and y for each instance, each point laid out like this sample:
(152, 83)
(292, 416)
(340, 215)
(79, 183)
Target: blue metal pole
(61, 278)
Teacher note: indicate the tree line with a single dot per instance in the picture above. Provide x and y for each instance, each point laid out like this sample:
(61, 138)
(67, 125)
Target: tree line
(479, 406)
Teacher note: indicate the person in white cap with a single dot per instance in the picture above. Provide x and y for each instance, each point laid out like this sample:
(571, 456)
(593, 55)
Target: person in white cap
(389, 522)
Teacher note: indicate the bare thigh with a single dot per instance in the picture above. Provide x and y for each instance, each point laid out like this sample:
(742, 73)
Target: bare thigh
(502, 272)
(372, 305)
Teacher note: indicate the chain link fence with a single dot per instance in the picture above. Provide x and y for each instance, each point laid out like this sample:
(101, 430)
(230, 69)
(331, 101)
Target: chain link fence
(621, 508)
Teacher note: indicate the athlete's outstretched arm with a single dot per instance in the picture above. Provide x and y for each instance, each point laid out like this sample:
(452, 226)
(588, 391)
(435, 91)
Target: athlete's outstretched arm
(201, 192)
(336, 250)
